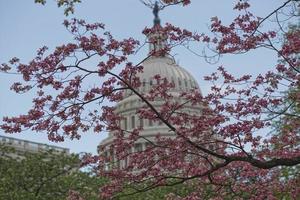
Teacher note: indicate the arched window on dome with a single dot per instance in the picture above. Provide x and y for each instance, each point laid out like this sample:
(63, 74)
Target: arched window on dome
(179, 82)
(186, 83)
(191, 82)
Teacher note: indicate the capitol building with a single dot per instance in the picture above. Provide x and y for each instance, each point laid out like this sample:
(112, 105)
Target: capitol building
(166, 67)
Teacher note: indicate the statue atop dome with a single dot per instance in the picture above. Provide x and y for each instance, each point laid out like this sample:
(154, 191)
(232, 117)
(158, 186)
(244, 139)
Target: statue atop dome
(155, 12)
(157, 40)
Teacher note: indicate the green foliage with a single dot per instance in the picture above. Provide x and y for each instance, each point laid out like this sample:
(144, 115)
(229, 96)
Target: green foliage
(180, 190)
(286, 175)
(44, 176)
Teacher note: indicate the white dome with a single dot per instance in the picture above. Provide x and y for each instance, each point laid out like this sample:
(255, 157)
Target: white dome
(127, 108)
(166, 68)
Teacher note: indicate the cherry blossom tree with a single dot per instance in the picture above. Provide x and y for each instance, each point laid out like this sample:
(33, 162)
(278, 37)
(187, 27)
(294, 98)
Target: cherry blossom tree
(228, 151)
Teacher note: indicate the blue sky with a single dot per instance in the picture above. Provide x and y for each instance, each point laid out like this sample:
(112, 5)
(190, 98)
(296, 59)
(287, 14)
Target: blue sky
(26, 26)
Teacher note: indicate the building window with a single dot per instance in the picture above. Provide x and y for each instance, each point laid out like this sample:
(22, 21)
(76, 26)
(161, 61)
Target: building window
(118, 165)
(144, 83)
(10, 141)
(132, 121)
(131, 103)
(138, 147)
(119, 123)
(150, 122)
(106, 165)
(111, 155)
(141, 123)
(125, 123)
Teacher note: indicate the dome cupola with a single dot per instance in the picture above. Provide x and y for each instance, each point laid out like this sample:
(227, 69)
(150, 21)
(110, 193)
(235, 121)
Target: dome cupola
(161, 63)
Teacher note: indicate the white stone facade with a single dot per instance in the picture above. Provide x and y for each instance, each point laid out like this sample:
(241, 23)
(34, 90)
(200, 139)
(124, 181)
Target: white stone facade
(22, 146)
